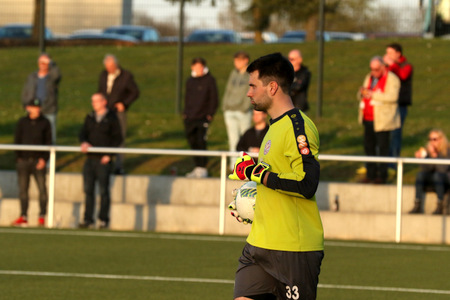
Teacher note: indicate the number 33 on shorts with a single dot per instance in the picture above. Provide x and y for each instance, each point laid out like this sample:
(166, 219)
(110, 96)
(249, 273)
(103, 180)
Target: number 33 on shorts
(292, 292)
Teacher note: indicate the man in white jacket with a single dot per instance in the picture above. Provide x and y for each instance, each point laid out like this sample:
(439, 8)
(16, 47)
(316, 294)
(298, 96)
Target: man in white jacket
(379, 114)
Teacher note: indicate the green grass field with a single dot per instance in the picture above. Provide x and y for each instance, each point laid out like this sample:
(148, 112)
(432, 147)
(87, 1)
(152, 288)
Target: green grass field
(72, 264)
(153, 122)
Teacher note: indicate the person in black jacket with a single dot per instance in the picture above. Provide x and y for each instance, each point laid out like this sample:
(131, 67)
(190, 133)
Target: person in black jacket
(400, 66)
(201, 101)
(299, 87)
(101, 129)
(33, 129)
(251, 140)
(120, 89)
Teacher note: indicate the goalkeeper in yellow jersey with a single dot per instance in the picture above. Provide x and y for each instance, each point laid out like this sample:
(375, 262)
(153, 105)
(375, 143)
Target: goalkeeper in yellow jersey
(284, 249)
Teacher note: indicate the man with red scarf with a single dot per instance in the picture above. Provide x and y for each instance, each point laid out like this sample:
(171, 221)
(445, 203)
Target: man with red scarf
(379, 114)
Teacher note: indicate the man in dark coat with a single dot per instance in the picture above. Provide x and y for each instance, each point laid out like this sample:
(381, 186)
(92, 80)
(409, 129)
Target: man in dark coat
(201, 101)
(101, 129)
(299, 88)
(120, 89)
(33, 129)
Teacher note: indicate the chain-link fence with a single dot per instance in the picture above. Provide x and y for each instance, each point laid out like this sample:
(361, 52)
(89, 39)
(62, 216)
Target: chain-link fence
(373, 17)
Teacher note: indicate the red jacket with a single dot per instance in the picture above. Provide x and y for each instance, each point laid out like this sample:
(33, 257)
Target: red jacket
(404, 71)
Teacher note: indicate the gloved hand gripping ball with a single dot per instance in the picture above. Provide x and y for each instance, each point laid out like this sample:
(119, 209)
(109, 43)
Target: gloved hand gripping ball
(243, 205)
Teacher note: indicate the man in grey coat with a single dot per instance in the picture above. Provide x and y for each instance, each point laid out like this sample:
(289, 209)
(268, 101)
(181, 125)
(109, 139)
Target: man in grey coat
(43, 84)
(236, 105)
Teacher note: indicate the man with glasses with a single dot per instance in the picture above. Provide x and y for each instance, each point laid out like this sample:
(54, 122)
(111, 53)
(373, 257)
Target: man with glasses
(378, 112)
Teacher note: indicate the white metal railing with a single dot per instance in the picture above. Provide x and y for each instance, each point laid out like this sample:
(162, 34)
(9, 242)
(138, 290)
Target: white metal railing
(400, 161)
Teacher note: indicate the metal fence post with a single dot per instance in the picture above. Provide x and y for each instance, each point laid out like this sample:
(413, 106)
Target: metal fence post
(51, 188)
(223, 185)
(398, 218)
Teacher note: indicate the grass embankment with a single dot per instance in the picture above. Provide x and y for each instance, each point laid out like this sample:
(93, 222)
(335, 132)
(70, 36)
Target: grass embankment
(153, 122)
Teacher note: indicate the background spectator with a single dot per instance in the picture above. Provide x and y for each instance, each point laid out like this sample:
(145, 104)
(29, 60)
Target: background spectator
(398, 65)
(34, 129)
(253, 137)
(43, 84)
(436, 176)
(200, 105)
(236, 105)
(120, 89)
(379, 114)
(101, 128)
(299, 88)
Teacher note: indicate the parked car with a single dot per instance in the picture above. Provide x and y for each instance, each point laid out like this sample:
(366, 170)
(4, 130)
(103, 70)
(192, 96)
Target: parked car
(298, 36)
(169, 39)
(342, 36)
(88, 31)
(213, 36)
(294, 36)
(21, 31)
(249, 37)
(141, 33)
(102, 36)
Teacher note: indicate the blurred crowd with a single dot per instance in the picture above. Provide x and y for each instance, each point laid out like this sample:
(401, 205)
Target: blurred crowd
(384, 99)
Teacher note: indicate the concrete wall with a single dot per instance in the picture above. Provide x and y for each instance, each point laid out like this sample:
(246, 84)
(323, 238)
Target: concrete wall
(178, 204)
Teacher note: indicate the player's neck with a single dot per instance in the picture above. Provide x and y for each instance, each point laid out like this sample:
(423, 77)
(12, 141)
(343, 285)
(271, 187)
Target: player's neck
(260, 126)
(281, 105)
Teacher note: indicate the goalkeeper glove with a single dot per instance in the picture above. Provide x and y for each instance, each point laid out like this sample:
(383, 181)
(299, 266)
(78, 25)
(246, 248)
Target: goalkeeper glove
(259, 171)
(243, 168)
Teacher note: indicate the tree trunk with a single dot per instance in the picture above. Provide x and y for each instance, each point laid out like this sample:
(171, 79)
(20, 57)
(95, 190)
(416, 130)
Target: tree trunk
(257, 19)
(312, 25)
(36, 20)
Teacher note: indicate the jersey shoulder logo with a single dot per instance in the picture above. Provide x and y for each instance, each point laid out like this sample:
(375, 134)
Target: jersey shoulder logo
(301, 138)
(267, 147)
(304, 150)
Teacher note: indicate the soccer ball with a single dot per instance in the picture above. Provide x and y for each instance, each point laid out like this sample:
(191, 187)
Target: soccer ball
(245, 200)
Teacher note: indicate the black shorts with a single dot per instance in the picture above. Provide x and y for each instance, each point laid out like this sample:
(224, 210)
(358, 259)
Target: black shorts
(285, 274)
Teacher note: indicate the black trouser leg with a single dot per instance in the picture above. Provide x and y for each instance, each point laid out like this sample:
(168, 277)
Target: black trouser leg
(23, 177)
(89, 178)
(370, 148)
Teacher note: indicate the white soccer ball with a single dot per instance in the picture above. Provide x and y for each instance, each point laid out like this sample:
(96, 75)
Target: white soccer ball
(245, 200)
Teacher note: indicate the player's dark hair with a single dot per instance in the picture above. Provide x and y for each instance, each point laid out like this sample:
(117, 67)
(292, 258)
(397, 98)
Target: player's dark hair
(274, 67)
(396, 46)
(198, 60)
(241, 55)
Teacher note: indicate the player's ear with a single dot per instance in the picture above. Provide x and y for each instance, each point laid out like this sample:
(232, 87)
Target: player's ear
(273, 88)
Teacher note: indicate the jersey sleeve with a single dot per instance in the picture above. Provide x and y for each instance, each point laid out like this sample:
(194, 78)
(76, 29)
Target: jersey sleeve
(301, 149)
